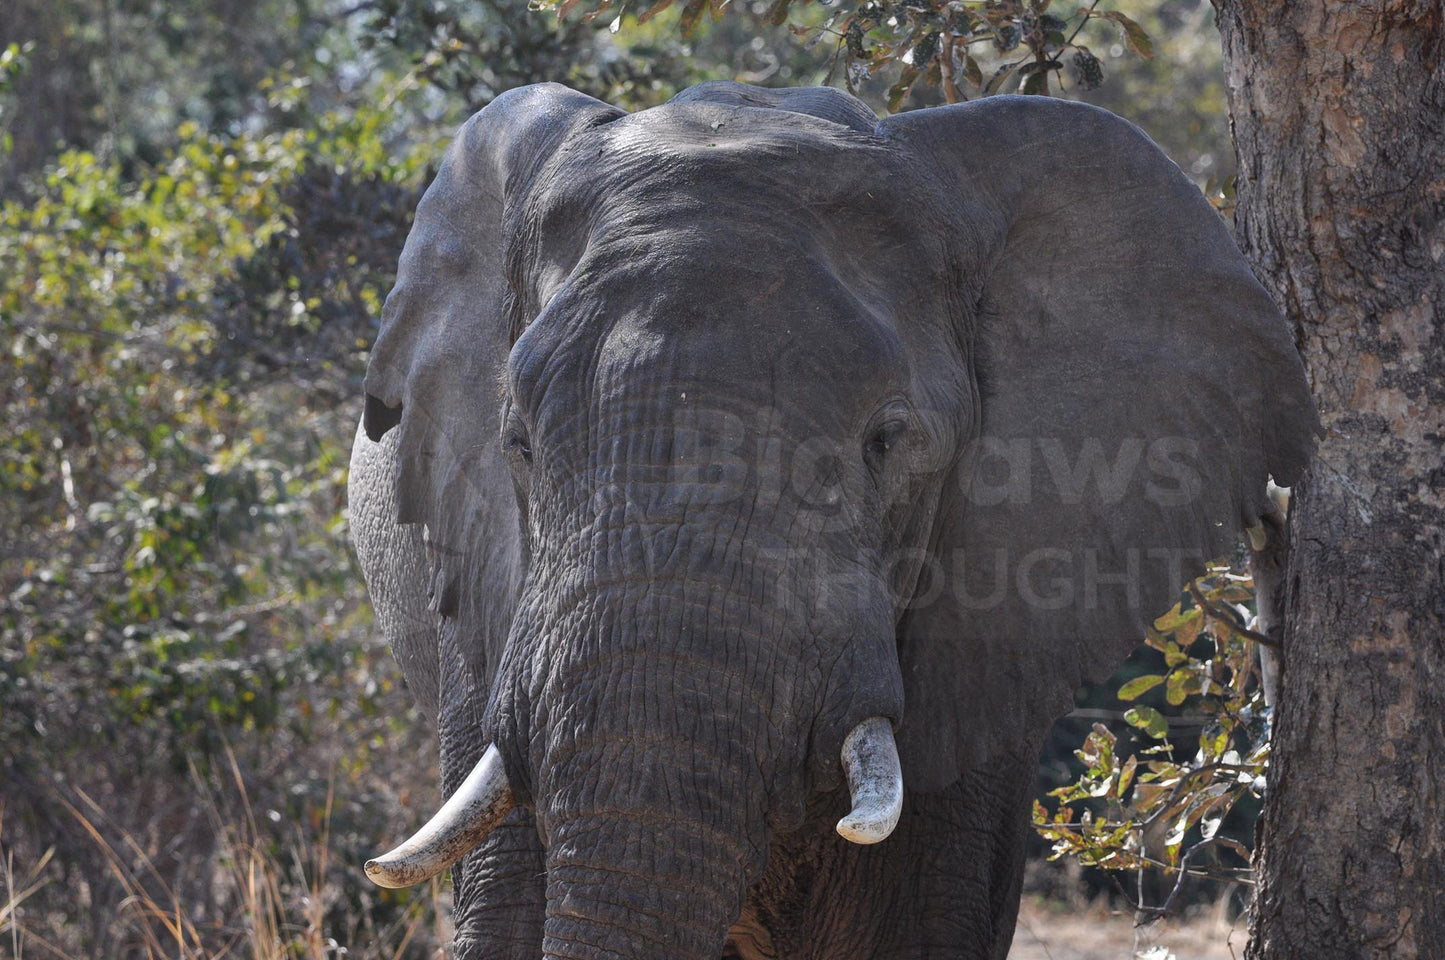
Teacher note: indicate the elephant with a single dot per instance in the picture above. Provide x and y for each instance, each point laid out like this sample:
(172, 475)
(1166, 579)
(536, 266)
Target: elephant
(745, 484)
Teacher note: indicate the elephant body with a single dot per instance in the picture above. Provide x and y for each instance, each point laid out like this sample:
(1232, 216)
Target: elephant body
(732, 462)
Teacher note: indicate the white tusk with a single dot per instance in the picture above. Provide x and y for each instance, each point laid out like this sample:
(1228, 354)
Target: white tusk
(482, 801)
(875, 782)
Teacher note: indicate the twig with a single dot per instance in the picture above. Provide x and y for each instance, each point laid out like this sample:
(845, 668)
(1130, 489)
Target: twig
(1163, 909)
(1214, 613)
(1087, 16)
(1090, 713)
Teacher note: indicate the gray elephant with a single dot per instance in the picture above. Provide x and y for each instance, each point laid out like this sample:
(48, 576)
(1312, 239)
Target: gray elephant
(747, 463)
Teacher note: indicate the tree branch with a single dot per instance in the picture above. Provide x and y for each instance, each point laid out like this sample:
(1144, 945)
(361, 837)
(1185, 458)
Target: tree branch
(1214, 613)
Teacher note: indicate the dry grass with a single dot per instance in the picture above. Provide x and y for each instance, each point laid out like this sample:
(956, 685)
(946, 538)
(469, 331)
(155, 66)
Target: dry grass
(19, 887)
(278, 900)
(278, 906)
(1048, 931)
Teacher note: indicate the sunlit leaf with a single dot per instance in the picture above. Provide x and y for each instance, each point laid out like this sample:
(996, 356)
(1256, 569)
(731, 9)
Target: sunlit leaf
(1149, 720)
(1126, 777)
(1139, 686)
(1183, 681)
(1176, 618)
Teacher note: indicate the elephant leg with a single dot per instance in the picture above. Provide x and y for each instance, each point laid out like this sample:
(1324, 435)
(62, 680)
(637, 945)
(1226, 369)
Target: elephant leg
(963, 861)
(499, 889)
(946, 884)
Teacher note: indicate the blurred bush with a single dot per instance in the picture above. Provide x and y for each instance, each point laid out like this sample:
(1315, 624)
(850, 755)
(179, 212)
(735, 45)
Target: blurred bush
(182, 345)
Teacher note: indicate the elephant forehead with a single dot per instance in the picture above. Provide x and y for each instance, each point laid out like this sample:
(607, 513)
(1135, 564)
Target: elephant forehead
(746, 251)
(788, 333)
(714, 164)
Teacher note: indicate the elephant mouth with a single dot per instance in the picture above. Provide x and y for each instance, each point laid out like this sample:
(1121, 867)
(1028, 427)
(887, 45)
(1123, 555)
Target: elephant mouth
(869, 759)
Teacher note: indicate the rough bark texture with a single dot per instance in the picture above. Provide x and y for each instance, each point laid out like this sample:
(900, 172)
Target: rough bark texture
(1339, 121)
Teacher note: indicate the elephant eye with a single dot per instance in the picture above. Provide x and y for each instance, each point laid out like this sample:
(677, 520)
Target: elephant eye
(881, 439)
(517, 446)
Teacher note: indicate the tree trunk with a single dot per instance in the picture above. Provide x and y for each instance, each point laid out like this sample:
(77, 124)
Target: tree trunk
(1339, 122)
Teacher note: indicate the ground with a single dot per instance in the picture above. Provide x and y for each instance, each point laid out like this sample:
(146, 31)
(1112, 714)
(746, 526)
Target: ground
(1048, 931)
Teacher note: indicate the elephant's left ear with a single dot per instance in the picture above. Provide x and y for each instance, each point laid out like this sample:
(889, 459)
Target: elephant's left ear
(1136, 390)
(436, 369)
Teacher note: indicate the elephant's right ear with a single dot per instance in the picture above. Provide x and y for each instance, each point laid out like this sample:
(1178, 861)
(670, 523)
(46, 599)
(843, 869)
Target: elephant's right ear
(1135, 389)
(435, 370)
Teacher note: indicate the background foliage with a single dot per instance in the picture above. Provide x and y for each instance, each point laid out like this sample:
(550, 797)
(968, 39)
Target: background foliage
(201, 206)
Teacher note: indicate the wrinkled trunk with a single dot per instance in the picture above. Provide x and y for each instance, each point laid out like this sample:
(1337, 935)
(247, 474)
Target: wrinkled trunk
(641, 886)
(651, 786)
(651, 839)
(676, 689)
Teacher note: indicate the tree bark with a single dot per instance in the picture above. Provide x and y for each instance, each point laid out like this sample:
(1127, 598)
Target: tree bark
(1338, 109)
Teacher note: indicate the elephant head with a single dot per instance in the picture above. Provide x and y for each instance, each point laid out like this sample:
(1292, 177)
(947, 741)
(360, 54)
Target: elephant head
(709, 449)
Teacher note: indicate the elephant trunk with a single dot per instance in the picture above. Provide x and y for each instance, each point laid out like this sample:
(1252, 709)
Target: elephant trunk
(640, 887)
(651, 842)
(659, 869)
(669, 718)
(654, 781)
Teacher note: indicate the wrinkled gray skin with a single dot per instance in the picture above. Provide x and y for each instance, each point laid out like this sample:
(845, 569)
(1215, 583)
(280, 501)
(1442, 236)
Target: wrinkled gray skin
(695, 436)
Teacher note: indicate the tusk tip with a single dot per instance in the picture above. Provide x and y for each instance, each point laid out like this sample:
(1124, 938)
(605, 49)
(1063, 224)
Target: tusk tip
(381, 874)
(482, 801)
(859, 833)
(865, 829)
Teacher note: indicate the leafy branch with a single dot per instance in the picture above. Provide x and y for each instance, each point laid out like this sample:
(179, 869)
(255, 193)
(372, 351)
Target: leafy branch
(966, 47)
(1149, 810)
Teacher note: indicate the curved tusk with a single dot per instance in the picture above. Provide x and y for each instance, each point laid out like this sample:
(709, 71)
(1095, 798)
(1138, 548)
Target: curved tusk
(482, 801)
(875, 782)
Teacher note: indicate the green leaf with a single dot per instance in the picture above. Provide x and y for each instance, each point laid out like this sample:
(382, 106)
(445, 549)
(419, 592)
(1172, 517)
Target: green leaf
(1134, 36)
(1214, 739)
(1176, 618)
(1139, 685)
(1149, 720)
(1181, 683)
(1040, 814)
(1126, 777)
